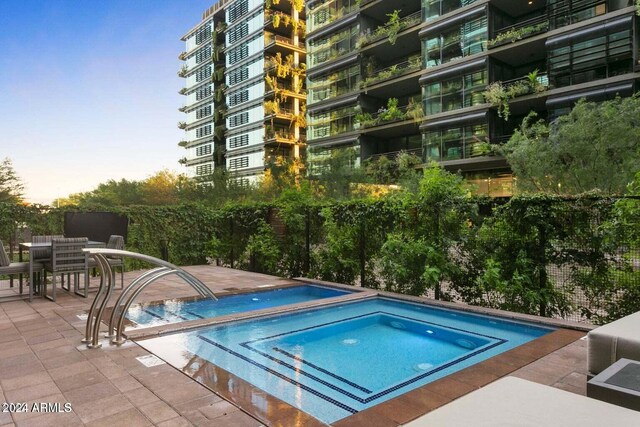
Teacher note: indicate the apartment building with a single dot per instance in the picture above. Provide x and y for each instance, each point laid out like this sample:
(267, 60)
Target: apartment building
(414, 75)
(245, 87)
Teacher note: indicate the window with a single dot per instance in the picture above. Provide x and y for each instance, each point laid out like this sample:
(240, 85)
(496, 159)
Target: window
(330, 123)
(239, 119)
(454, 93)
(240, 162)
(204, 169)
(238, 54)
(334, 84)
(238, 76)
(238, 32)
(454, 143)
(203, 34)
(238, 97)
(236, 10)
(598, 57)
(203, 150)
(203, 54)
(456, 42)
(322, 159)
(203, 131)
(203, 73)
(203, 112)
(323, 13)
(203, 92)
(566, 12)
(431, 9)
(332, 46)
(238, 141)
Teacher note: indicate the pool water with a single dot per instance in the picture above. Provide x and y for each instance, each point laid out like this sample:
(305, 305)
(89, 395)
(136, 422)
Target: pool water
(173, 311)
(335, 361)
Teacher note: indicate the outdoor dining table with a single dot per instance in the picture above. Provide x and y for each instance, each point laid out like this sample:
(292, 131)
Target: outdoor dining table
(31, 247)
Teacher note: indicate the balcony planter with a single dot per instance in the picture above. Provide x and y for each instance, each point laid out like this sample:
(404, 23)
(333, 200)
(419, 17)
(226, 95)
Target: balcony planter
(182, 125)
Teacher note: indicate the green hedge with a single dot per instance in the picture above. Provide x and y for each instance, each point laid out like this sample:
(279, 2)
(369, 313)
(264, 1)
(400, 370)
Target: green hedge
(572, 258)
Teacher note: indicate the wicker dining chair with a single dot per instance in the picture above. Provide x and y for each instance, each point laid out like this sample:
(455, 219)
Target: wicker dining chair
(41, 254)
(11, 268)
(67, 257)
(115, 242)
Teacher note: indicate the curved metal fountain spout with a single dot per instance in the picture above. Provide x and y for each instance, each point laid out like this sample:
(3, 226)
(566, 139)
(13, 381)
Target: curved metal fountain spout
(129, 293)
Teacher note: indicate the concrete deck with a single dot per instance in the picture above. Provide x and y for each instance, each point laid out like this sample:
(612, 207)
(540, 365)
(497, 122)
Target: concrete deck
(42, 360)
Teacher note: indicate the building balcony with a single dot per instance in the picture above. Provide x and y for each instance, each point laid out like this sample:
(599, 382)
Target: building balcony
(279, 112)
(406, 66)
(275, 43)
(387, 115)
(390, 30)
(282, 136)
(392, 155)
(519, 31)
(284, 89)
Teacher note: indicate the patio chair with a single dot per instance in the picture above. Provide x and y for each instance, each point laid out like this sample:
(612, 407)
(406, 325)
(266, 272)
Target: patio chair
(67, 257)
(11, 268)
(43, 253)
(115, 242)
(611, 342)
(512, 401)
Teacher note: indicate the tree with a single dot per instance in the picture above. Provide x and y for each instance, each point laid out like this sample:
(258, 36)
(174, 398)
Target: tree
(110, 193)
(11, 187)
(163, 188)
(593, 148)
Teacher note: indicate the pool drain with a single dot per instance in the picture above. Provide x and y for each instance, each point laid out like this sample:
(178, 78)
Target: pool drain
(350, 341)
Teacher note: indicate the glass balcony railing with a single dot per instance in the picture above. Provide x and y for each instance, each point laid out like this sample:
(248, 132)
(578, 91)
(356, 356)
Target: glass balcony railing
(408, 65)
(519, 31)
(383, 31)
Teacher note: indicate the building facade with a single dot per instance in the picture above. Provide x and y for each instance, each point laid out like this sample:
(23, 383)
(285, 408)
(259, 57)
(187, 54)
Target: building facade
(447, 79)
(245, 87)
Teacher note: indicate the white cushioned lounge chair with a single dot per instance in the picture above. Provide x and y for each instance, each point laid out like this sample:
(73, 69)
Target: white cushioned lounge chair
(512, 401)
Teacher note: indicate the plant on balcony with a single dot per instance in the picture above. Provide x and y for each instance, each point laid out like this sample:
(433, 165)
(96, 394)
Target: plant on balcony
(415, 111)
(219, 94)
(415, 62)
(393, 26)
(182, 56)
(221, 26)
(298, 5)
(219, 132)
(638, 7)
(271, 82)
(183, 91)
(499, 95)
(496, 95)
(271, 107)
(364, 119)
(182, 161)
(276, 20)
(515, 34)
(182, 125)
(183, 143)
(183, 71)
(392, 112)
(218, 74)
(182, 109)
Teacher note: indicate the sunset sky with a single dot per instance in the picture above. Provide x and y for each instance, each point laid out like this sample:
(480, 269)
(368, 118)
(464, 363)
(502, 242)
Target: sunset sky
(89, 90)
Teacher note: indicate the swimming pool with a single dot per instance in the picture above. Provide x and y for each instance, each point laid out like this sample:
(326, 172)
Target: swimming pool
(338, 360)
(180, 310)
